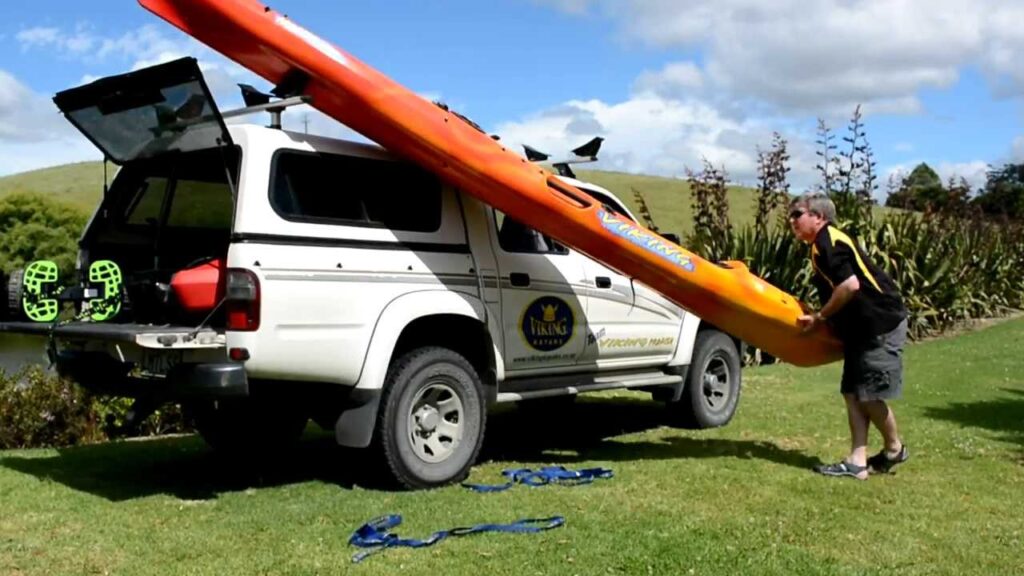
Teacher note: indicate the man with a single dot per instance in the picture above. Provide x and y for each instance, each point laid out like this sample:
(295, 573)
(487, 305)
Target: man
(862, 305)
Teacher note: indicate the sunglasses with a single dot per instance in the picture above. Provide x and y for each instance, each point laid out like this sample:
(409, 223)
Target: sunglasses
(796, 214)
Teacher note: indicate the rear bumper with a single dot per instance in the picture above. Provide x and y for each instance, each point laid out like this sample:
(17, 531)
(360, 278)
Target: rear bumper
(103, 374)
(209, 380)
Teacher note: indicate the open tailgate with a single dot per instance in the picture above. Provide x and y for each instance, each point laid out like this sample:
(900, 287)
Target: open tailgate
(147, 112)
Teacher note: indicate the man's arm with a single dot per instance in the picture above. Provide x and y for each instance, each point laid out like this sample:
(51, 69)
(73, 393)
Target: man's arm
(841, 295)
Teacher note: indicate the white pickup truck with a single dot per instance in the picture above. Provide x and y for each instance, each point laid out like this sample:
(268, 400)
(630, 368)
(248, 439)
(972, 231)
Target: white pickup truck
(351, 288)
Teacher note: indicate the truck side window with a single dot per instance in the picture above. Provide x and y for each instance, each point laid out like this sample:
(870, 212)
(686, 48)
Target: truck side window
(351, 190)
(514, 236)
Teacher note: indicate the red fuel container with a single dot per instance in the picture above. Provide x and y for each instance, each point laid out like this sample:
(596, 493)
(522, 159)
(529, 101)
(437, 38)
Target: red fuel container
(200, 288)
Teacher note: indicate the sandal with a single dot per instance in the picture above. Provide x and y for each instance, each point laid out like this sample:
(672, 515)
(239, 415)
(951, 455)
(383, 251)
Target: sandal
(842, 469)
(883, 464)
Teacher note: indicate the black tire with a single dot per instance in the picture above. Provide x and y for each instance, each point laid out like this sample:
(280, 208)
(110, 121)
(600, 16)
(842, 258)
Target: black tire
(12, 296)
(431, 421)
(247, 425)
(4, 304)
(713, 382)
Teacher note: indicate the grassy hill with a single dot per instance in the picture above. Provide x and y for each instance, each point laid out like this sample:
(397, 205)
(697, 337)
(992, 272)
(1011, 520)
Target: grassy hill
(668, 199)
(79, 184)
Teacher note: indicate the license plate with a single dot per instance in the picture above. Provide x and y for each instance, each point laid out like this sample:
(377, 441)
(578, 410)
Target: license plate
(160, 363)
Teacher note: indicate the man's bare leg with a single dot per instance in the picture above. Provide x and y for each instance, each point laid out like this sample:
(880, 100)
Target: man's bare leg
(884, 419)
(858, 432)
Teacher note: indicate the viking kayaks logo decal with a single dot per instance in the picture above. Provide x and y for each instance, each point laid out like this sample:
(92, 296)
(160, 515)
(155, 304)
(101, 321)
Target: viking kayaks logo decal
(651, 242)
(547, 323)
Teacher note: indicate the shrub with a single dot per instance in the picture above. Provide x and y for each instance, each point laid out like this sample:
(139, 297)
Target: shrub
(39, 409)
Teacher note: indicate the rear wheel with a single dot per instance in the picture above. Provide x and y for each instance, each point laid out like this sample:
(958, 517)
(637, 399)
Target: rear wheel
(432, 416)
(12, 300)
(712, 389)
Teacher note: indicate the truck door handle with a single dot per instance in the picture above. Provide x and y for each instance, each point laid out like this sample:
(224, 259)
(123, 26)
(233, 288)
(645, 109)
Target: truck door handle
(603, 282)
(520, 279)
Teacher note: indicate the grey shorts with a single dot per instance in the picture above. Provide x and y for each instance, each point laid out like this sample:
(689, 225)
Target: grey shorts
(874, 371)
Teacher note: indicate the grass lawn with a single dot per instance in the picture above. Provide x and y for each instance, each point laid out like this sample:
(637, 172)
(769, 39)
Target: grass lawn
(738, 500)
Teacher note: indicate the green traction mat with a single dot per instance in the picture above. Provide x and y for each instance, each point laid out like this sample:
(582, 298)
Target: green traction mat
(107, 275)
(39, 291)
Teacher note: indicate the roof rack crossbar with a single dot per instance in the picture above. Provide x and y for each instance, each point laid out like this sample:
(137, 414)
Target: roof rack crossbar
(272, 107)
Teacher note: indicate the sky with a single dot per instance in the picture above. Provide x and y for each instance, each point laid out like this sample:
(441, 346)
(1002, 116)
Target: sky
(667, 83)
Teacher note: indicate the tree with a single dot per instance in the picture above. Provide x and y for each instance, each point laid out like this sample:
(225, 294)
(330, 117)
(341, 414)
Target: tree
(920, 190)
(1004, 192)
(34, 227)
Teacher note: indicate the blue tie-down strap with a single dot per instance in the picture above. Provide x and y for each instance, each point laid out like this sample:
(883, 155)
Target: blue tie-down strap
(375, 535)
(543, 476)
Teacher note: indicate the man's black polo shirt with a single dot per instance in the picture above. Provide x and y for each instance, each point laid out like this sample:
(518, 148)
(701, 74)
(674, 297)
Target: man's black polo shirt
(876, 308)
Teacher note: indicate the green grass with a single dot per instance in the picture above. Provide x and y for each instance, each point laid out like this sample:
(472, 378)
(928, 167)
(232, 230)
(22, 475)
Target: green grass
(736, 500)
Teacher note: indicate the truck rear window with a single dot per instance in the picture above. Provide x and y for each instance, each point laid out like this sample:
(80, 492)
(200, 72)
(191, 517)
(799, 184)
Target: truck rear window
(192, 187)
(352, 190)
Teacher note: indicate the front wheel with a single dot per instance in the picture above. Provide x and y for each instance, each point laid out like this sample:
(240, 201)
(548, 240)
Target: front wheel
(712, 389)
(432, 416)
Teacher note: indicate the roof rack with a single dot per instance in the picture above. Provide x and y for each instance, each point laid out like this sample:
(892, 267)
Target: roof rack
(275, 109)
(256, 101)
(580, 155)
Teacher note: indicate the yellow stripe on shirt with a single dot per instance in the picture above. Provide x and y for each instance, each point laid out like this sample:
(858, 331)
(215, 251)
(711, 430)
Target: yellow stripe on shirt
(837, 236)
(814, 264)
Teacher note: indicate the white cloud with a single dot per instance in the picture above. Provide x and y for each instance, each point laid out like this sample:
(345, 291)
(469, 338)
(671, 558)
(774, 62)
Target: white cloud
(33, 134)
(78, 43)
(974, 172)
(140, 48)
(1002, 48)
(767, 65)
(85, 44)
(1017, 150)
(675, 80)
(38, 36)
(826, 56)
(26, 116)
(654, 135)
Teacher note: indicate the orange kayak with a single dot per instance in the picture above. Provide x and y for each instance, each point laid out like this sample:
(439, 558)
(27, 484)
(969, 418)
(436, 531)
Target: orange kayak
(272, 46)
